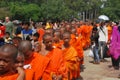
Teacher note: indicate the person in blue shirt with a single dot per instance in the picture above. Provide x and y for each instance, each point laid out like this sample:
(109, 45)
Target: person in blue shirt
(26, 32)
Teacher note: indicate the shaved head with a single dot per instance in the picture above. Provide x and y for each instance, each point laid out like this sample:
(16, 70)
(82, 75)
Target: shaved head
(57, 33)
(66, 34)
(25, 44)
(26, 48)
(9, 49)
(8, 55)
(46, 35)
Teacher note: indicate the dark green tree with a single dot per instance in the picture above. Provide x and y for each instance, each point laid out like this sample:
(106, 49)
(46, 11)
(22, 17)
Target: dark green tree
(111, 9)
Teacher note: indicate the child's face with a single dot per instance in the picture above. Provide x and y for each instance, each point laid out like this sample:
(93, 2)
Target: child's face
(66, 38)
(6, 62)
(62, 30)
(7, 35)
(56, 37)
(15, 42)
(19, 61)
(25, 26)
(73, 31)
(37, 47)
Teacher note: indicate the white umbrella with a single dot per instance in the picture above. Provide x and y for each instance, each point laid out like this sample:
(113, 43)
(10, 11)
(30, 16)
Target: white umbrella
(103, 17)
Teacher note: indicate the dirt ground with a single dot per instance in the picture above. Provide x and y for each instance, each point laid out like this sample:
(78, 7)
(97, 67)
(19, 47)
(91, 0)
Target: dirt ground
(99, 71)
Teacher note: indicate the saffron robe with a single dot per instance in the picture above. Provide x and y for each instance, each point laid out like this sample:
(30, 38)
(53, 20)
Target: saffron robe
(38, 64)
(71, 62)
(56, 65)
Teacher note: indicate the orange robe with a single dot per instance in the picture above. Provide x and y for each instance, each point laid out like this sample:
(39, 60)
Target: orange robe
(58, 45)
(29, 74)
(9, 77)
(70, 57)
(83, 34)
(89, 27)
(41, 33)
(86, 32)
(77, 44)
(38, 64)
(109, 32)
(56, 65)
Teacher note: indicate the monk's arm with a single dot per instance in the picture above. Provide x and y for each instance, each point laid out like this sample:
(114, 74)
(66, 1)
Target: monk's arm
(21, 73)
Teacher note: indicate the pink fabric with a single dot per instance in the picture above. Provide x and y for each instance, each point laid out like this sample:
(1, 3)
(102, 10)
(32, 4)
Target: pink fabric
(115, 43)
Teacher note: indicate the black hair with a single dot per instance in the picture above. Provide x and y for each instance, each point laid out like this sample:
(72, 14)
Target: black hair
(26, 23)
(7, 33)
(36, 34)
(119, 28)
(116, 22)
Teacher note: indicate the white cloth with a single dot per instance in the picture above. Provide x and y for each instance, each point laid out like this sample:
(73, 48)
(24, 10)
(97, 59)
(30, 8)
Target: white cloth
(90, 54)
(102, 36)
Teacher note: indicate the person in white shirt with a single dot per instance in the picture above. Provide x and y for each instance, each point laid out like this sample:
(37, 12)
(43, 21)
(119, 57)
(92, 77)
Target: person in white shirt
(103, 38)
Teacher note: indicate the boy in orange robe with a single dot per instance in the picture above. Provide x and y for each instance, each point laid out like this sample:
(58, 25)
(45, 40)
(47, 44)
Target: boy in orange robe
(70, 56)
(55, 69)
(8, 54)
(29, 73)
(33, 60)
(76, 42)
(57, 42)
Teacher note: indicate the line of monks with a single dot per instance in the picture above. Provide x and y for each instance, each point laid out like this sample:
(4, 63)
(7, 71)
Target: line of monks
(59, 58)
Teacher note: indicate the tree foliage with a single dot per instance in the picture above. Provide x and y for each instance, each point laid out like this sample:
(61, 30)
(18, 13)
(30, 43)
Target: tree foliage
(112, 9)
(57, 9)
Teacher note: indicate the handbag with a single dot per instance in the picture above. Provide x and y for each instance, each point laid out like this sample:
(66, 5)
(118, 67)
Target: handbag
(106, 53)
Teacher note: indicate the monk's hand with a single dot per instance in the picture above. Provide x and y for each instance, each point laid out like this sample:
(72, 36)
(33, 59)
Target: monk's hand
(21, 73)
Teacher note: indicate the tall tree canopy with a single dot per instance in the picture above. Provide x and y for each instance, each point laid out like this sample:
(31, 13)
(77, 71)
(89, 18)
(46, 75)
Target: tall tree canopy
(58, 9)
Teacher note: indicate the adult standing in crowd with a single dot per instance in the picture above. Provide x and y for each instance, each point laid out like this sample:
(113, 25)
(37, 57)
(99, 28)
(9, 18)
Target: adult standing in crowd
(26, 32)
(103, 38)
(115, 46)
(9, 26)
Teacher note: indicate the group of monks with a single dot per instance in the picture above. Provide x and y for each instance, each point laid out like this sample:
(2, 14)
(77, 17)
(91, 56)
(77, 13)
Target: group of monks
(59, 57)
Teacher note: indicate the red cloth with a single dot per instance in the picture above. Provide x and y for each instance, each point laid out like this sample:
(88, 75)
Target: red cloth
(2, 31)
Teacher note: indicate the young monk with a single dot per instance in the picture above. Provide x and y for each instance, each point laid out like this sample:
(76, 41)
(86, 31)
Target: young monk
(8, 54)
(56, 69)
(57, 42)
(33, 60)
(70, 56)
(35, 40)
(62, 30)
(29, 73)
(77, 44)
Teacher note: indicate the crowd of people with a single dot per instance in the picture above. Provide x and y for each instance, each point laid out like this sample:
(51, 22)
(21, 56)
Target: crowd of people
(54, 51)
